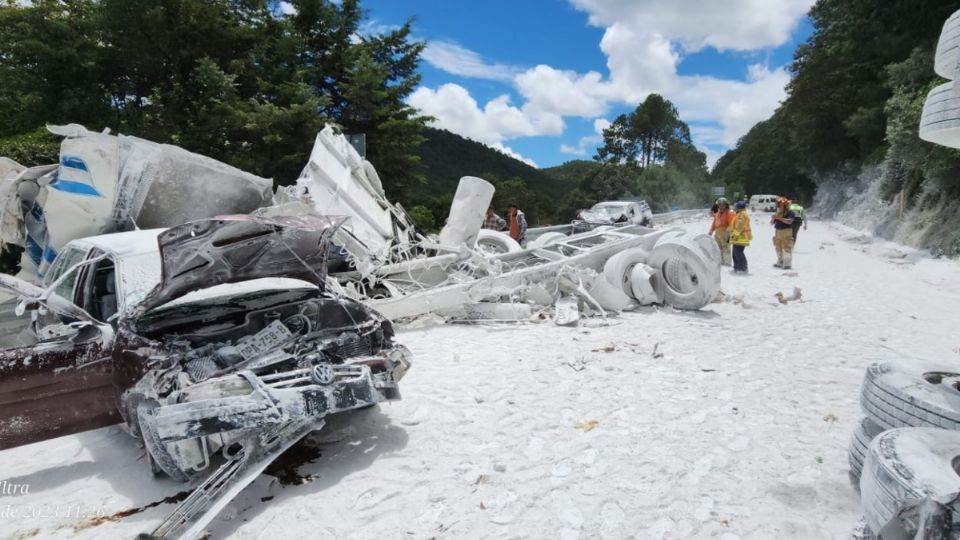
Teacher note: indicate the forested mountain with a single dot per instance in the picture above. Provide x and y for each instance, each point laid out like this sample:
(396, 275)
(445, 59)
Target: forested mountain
(852, 113)
(646, 153)
(445, 157)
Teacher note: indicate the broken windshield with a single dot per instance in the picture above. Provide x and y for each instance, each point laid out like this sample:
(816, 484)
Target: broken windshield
(610, 210)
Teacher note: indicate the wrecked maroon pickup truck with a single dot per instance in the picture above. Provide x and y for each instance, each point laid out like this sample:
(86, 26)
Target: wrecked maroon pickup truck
(219, 350)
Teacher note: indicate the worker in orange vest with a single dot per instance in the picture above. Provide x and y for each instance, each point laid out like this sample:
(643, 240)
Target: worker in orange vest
(518, 224)
(720, 229)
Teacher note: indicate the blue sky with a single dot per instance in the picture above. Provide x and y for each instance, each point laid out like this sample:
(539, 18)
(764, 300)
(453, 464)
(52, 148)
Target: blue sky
(538, 79)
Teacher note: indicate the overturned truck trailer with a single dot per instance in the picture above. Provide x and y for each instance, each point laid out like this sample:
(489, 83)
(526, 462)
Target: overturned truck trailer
(112, 183)
(405, 275)
(611, 269)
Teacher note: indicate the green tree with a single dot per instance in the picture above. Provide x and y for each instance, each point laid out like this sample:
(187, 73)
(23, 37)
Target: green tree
(423, 218)
(366, 80)
(232, 79)
(50, 65)
(612, 182)
(837, 97)
(767, 160)
(645, 135)
(649, 153)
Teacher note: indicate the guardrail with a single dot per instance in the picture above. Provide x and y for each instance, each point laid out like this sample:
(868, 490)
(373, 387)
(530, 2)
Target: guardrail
(579, 226)
(669, 217)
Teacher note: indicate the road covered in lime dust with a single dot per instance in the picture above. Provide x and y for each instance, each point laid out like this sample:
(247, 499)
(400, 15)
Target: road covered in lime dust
(728, 423)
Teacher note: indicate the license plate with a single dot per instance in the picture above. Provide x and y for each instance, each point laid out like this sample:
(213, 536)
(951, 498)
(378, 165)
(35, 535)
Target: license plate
(271, 337)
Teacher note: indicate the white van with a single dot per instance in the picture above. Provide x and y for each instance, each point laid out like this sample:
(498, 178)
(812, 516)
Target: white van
(763, 203)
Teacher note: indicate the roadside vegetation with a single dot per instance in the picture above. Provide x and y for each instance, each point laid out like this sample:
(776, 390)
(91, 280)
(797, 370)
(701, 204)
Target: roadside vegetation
(852, 114)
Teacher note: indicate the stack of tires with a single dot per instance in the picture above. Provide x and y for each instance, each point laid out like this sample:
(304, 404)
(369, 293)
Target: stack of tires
(904, 453)
(940, 120)
(682, 271)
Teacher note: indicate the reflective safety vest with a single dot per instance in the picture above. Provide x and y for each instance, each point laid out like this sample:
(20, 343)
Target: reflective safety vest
(797, 211)
(740, 233)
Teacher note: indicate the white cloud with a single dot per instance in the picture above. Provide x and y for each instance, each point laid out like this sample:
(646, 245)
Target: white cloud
(589, 143)
(455, 110)
(735, 105)
(640, 62)
(644, 42)
(287, 8)
(515, 155)
(741, 25)
(457, 60)
(563, 93)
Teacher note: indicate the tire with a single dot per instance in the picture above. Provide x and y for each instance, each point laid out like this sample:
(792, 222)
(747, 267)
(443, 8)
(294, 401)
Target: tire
(130, 412)
(617, 270)
(865, 432)
(544, 239)
(684, 278)
(904, 468)
(948, 48)
(494, 242)
(709, 246)
(940, 120)
(160, 458)
(641, 285)
(894, 396)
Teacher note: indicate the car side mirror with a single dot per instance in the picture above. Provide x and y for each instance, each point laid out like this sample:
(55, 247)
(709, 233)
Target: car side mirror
(25, 305)
(86, 331)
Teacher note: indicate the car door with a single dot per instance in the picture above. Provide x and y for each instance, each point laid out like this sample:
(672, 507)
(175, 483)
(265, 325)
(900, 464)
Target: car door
(62, 383)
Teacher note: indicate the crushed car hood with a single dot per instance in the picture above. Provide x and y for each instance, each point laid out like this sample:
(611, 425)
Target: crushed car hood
(592, 216)
(230, 249)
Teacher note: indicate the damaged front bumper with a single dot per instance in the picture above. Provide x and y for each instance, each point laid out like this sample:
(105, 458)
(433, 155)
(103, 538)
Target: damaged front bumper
(221, 412)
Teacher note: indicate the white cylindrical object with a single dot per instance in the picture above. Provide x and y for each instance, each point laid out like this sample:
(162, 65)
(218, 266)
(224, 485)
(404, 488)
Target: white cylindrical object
(685, 277)
(617, 270)
(940, 120)
(641, 284)
(948, 48)
(467, 212)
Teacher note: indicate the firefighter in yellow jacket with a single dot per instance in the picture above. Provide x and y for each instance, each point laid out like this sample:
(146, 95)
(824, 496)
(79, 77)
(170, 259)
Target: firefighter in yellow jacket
(740, 236)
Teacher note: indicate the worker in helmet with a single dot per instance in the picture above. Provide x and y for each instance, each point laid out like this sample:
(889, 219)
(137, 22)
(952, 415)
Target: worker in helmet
(740, 236)
(720, 229)
(782, 221)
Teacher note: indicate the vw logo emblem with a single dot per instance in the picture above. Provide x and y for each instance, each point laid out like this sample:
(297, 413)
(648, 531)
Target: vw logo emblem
(323, 373)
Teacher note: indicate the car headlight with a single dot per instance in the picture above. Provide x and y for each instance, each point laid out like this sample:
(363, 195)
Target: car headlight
(217, 389)
(400, 357)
